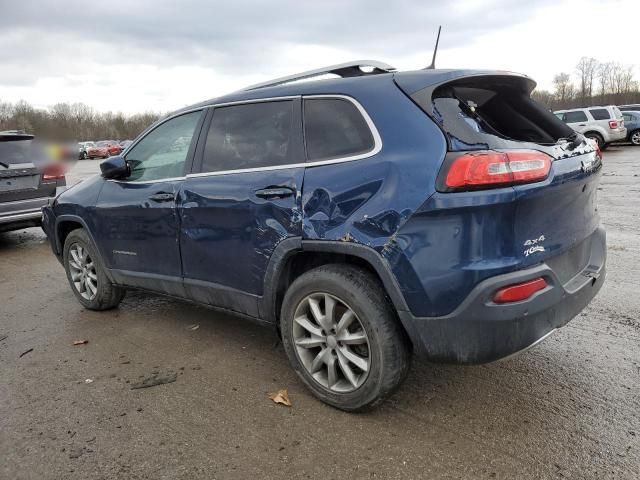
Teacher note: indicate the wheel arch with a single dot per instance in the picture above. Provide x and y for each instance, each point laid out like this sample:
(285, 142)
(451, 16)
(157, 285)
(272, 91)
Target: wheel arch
(67, 223)
(294, 257)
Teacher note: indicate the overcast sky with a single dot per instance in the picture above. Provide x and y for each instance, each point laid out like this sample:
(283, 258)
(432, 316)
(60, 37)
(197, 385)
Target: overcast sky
(136, 55)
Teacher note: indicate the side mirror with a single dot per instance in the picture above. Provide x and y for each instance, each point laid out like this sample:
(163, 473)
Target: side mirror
(115, 167)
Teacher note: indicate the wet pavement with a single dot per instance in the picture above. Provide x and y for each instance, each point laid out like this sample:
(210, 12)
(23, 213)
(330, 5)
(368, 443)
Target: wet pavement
(569, 408)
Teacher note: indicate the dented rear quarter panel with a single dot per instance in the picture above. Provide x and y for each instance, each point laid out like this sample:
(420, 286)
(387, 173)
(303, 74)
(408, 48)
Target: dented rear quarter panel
(368, 201)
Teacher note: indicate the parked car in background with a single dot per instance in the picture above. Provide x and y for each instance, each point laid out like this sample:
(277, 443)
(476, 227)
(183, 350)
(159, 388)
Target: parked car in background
(28, 179)
(633, 107)
(125, 143)
(632, 122)
(602, 124)
(442, 212)
(82, 149)
(104, 149)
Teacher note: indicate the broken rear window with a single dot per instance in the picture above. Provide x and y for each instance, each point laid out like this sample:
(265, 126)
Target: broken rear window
(490, 112)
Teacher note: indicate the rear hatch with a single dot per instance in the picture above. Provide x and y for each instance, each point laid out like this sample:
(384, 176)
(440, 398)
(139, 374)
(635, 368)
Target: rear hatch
(22, 164)
(549, 177)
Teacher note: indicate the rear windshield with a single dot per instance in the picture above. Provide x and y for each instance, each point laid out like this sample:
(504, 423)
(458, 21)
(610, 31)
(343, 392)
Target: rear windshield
(490, 112)
(14, 152)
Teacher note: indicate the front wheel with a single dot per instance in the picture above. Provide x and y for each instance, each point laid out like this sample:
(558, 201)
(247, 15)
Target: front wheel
(86, 274)
(635, 137)
(343, 338)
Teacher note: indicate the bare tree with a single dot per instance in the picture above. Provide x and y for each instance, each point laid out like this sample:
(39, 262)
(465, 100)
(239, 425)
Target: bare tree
(604, 75)
(72, 122)
(587, 68)
(564, 89)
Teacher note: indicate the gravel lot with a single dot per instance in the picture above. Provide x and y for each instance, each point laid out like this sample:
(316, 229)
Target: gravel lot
(570, 408)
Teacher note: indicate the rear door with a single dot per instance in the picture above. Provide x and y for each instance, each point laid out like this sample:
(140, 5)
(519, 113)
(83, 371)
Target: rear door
(242, 200)
(577, 119)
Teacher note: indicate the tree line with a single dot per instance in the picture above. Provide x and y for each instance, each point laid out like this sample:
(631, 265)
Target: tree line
(596, 83)
(72, 121)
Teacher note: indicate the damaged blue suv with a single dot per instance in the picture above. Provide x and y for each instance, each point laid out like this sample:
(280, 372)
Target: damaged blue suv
(368, 216)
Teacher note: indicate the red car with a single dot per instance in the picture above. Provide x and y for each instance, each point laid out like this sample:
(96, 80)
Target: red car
(104, 149)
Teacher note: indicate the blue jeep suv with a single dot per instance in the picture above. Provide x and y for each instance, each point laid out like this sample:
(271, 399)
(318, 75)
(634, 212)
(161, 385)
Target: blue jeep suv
(369, 216)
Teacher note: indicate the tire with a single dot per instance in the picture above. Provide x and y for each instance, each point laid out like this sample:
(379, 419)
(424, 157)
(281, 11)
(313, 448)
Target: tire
(598, 138)
(634, 137)
(386, 350)
(105, 295)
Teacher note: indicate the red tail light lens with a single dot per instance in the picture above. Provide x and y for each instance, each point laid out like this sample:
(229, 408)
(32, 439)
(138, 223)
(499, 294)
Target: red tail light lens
(53, 171)
(613, 124)
(489, 168)
(519, 291)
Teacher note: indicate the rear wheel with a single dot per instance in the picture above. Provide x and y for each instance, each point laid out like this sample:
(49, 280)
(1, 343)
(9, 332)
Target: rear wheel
(598, 138)
(343, 338)
(86, 274)
(635, 137)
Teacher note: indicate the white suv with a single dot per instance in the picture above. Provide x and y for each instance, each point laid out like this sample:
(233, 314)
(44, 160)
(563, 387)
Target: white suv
(602, 124)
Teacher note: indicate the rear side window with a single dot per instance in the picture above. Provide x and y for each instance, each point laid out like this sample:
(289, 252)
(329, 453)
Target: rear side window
(335, 128)
(575, 117)
(252, 135)
(600, 114)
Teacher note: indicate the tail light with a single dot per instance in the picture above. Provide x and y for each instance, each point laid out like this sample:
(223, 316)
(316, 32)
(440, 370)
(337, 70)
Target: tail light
(613, 124)
(519, 291)
(491, 169)
(53, 171)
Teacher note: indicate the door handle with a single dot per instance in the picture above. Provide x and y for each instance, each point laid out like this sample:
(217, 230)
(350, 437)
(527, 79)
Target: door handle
(162, 197)
(275, 192)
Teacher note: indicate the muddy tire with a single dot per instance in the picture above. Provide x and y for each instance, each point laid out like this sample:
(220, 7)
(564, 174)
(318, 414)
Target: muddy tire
(86, 273)
(343, 338)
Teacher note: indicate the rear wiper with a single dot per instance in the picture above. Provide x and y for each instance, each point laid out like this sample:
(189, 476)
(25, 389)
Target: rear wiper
(5, 165)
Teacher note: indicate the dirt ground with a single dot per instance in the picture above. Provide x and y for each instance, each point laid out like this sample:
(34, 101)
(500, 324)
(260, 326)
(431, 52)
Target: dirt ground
(569, 408)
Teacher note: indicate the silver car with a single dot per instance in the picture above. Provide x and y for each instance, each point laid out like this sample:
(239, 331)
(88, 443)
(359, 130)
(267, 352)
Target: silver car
(602, 124)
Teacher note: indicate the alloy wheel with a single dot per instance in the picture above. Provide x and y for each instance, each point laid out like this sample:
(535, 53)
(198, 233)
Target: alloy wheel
(83, 271)
(331, 342)
(635, 137)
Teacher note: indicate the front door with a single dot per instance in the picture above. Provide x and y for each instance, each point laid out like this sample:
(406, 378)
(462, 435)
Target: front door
(244, 199)
(136, 217)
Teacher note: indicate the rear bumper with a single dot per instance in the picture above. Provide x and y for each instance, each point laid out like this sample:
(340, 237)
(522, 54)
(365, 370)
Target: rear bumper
(481, 331)
(22, 213)
(617, 135)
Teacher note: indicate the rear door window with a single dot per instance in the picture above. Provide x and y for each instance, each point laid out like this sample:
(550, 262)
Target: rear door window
(600, 114)
(575, 117)
(335, 128)
(253, 135)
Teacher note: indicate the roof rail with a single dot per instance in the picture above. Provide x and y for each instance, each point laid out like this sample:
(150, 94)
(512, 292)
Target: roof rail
(348, 69)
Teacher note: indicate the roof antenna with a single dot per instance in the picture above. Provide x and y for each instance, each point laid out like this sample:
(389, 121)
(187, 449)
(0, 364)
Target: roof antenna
(435, 50)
